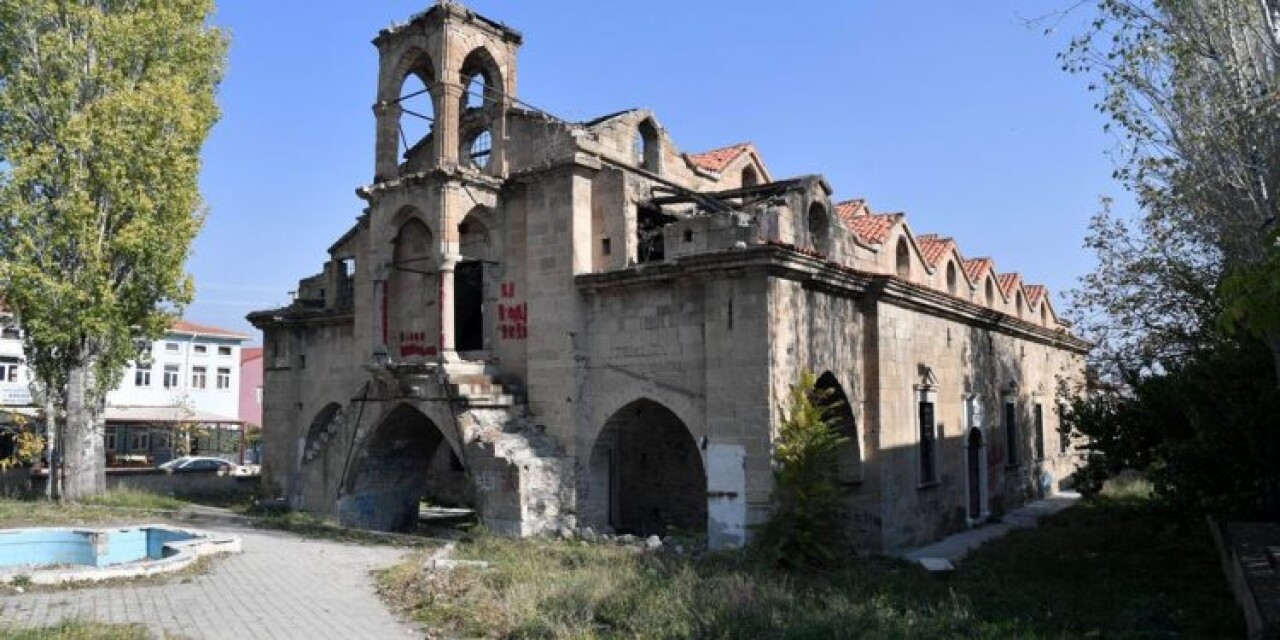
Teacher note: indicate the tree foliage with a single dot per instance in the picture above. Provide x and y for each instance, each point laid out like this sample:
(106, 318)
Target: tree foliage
(104, 105)
(1191, 86)
(805, 529)
(1203, 432)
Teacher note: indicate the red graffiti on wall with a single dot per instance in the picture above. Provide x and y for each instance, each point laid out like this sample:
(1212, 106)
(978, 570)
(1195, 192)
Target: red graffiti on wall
(513, 318)
(414, 343)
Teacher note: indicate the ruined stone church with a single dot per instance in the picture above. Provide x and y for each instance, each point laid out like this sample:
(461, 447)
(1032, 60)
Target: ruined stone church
(571, 324)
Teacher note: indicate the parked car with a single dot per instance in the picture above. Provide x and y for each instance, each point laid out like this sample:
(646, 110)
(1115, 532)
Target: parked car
(188, 464)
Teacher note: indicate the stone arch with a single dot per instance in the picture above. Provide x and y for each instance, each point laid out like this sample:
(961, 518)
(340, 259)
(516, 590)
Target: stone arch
(990, 292)
(645, 473)
(1019, 304)
(838, 412)
(323, 427)
(412, 287)
(413, 60)
(647, 146)
(404, 460)
(750, 177)
(952, 277)
(902, 258)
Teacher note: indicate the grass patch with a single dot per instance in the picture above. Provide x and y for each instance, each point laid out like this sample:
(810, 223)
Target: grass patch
(79, 630)
(1112, 568)
(113, 506)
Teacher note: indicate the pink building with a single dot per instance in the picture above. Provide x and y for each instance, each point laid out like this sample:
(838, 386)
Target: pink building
(251, 387)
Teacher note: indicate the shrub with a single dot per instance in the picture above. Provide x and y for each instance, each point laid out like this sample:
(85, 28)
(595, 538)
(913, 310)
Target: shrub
(806, 527)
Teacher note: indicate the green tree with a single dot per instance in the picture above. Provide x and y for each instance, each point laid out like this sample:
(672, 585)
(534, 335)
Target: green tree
(1192, 87)
(104, 105)
(806, 528)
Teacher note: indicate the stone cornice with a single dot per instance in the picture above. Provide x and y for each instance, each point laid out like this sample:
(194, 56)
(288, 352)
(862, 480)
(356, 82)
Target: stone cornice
(291, 317)
(452, 174)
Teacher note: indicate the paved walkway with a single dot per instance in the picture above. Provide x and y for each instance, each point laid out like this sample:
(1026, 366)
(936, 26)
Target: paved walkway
(955, 547)
(281, 586)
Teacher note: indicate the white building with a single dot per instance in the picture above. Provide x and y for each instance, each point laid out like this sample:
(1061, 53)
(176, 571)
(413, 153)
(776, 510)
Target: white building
(189, 376)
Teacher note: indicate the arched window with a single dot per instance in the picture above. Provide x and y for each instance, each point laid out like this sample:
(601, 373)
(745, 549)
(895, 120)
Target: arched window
(818, 225)
(749, 176)
(951, 277)
(479, 149)
(990, 293)
(1044, 313)
(903, 255)
(1018, 299)
(646, 148)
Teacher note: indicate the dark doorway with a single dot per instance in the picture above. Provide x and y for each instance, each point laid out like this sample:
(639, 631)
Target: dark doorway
(974, 456)
(646, 474)
(468, 305)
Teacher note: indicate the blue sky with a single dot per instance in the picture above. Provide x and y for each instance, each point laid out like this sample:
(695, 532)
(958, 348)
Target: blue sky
(956, 113)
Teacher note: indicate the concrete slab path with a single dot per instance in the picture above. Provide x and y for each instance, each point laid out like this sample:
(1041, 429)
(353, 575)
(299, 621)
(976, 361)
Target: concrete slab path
(955, 547)
(281, 586)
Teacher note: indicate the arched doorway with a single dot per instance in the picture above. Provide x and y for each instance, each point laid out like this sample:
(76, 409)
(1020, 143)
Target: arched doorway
(404, 461)
(645, 474)
(839, 416)
(976, 475)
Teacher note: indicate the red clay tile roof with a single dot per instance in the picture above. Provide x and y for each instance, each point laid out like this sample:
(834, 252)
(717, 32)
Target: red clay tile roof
(873, 228)
(182, 326)
(849, 209)
(977, 268)
(717, 159)
(250, 353)
(1035, 292)
(934, 247)
(1007, 281)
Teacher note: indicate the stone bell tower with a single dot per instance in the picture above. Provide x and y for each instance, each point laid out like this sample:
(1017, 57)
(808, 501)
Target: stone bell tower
(435, 202)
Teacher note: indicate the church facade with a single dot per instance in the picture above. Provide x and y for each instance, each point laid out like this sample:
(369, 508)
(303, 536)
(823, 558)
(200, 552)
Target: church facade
(570, 324)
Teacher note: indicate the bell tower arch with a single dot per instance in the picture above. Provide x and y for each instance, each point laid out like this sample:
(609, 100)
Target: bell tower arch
(446, 81)
(455, 70)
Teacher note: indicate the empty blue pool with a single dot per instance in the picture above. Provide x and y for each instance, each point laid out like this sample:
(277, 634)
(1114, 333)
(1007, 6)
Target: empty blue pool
(86, 547)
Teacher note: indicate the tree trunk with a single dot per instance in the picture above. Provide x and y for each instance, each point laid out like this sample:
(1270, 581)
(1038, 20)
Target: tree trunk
(50, 446)
(85, 461)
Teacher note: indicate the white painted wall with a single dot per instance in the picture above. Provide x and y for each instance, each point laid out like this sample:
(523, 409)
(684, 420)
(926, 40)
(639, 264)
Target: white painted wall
(185, 353)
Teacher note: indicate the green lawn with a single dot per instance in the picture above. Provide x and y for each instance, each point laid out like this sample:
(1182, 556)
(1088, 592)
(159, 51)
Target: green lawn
(1110, 569)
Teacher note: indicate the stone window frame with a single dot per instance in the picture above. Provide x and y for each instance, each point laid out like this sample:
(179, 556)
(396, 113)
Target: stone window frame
(1009, 419)
(927, 454)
